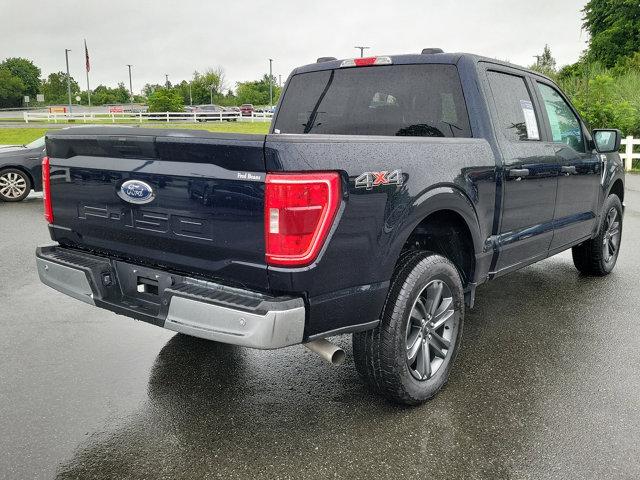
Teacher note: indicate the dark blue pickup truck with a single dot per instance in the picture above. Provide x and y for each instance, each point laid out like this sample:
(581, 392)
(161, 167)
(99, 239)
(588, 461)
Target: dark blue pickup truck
(387, 190)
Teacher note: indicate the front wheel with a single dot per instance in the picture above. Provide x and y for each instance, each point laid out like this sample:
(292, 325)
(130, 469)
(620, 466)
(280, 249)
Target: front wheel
(15, 185)
(598, 256)
(408, 356)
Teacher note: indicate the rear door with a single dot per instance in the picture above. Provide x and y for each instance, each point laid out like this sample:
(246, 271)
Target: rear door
(580, 168)
(529, 174)
(201, 207)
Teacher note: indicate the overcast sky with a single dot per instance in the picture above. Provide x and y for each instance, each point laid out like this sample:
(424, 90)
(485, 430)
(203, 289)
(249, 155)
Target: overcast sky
(178, 37)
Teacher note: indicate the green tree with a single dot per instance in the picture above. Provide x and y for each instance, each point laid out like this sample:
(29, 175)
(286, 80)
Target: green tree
(602, 107)
(11, 89)
(545, 63)
(627, 64)
(229, 99)
(149, 88)
(26, 71)
(122, 93)
(166, 100)
(605, 101)
(55, 88)
(103, 95)
(257, 92)
(614, 29)
(183, 89)
(206, 85)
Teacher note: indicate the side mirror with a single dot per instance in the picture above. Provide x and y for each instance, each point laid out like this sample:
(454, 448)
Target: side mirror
(607, 141)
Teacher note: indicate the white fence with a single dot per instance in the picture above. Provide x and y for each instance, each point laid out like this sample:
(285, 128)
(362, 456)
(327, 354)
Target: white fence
(132, 117)
(628, 156)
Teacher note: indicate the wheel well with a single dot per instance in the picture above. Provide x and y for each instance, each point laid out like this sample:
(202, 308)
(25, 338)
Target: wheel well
(618, 189)
(445, 232)
(23, 170)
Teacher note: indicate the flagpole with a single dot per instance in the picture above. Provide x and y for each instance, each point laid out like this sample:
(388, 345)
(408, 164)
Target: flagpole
(88, 90)
(86, 53)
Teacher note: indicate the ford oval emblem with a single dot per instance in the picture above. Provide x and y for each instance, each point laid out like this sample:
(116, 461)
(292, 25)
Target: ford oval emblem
(136, 191)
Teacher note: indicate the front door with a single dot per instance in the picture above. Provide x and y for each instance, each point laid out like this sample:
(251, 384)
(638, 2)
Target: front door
(529, 173)
(580, 169)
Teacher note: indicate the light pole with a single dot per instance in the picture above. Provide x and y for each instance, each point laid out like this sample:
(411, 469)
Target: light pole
(66, 56)
(211, 92)
(190, 96)
(280, 81)
(362, 49)
(270, 82)
(166, 80)
(130, 87)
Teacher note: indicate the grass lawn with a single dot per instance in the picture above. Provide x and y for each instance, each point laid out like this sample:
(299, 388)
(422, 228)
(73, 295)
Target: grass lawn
(18, 136)
(227, 127)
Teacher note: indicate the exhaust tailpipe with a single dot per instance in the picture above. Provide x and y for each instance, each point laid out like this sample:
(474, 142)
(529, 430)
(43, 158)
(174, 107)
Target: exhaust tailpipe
(327, 351)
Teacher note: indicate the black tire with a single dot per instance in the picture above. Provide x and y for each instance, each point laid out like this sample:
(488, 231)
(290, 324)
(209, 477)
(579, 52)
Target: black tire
(15, 185)
(382, 356)
(598, 256)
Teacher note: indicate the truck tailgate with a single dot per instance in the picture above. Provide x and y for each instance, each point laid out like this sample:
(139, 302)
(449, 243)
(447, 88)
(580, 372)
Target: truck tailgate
(202, 215)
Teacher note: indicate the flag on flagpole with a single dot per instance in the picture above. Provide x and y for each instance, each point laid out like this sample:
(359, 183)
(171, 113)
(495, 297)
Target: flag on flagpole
(88, 67)
(86, 56)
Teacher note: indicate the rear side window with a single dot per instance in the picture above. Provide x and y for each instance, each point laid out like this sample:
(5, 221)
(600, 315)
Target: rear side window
(396, 100)
(516, 115)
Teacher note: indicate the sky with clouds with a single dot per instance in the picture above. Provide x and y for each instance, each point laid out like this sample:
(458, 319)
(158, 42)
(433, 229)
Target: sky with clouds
(177, 37)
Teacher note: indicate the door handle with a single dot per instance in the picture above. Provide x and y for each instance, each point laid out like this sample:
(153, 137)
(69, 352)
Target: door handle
(518, 172)
(568, 169)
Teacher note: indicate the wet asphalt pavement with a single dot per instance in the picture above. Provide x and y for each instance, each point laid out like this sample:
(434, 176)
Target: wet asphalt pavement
(546, 385)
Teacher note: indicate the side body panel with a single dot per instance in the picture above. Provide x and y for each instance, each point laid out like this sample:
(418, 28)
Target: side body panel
(373, 226)
(529, 179)
(579, 180)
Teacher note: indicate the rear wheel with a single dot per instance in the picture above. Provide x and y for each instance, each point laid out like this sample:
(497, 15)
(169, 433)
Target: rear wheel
(15, 185)
(598, 256)
(407, 358)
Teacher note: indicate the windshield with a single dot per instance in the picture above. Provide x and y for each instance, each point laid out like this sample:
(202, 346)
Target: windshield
(404, 100)
(38, 143)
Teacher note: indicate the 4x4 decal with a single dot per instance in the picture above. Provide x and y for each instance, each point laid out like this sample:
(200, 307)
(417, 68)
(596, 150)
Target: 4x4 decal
(369, 180)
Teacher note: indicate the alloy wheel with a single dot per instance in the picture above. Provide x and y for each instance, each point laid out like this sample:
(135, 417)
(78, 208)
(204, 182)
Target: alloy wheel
(429, 337)
(612, 234)
(12, 185)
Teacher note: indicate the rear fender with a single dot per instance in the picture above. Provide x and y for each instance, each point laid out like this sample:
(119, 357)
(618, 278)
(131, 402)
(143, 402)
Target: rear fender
(439, 198)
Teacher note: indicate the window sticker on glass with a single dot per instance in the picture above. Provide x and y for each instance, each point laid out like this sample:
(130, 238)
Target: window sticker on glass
(530, 120)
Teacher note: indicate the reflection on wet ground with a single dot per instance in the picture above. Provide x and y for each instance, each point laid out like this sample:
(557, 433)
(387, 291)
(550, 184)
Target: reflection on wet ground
(547, 385)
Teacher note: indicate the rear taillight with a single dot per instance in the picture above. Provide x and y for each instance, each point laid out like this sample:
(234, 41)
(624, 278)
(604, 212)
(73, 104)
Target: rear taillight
(46, 190)
(299, 210)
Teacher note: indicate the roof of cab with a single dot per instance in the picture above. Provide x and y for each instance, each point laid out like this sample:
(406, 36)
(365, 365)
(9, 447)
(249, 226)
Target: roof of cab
(413, 58)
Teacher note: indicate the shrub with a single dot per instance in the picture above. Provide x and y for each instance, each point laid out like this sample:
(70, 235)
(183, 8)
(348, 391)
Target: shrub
(165, 100)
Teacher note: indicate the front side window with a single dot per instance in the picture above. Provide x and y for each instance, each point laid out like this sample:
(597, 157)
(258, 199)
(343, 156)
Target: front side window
(565, 126)
(516, 115)
(400, 100)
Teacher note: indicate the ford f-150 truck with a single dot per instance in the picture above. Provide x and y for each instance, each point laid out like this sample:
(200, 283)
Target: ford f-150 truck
(386, 191)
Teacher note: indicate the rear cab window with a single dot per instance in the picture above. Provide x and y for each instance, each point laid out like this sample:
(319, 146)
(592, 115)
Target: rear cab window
(517, 119)
(422, 100)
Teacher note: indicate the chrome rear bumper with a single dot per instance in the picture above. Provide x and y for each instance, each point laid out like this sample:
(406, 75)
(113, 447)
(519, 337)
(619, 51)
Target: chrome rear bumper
(186, 305)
